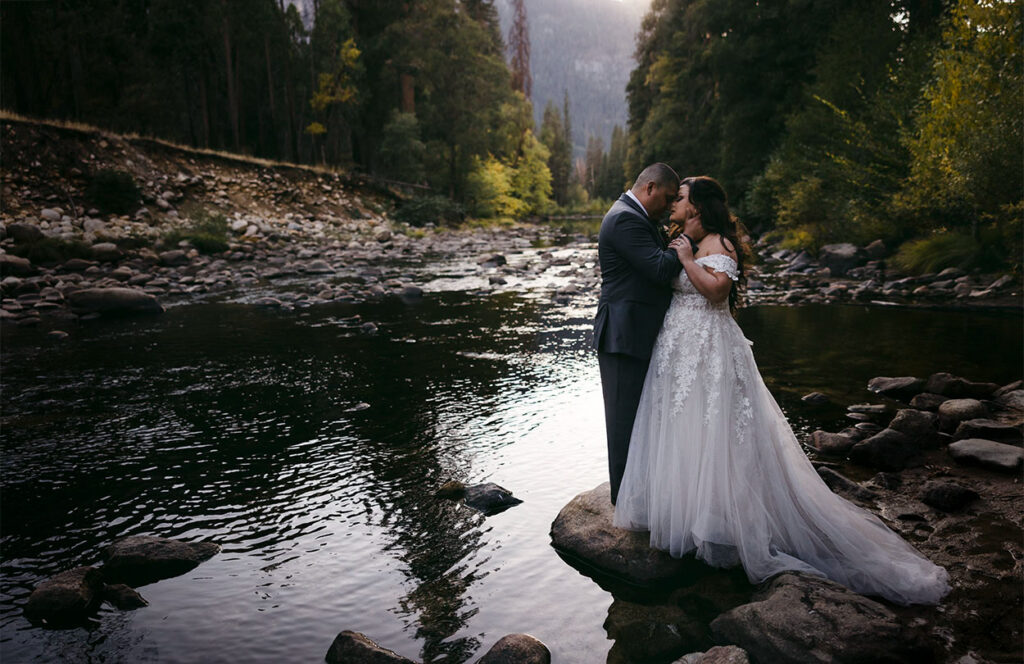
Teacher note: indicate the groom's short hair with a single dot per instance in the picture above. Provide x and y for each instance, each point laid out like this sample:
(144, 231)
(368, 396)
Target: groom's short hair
(659, 173)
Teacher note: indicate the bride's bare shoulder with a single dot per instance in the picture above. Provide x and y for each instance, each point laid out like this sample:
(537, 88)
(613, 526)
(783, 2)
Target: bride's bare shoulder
(714, 243)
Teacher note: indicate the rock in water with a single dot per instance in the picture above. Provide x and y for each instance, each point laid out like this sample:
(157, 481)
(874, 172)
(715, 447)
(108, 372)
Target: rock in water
(886, 450)
(989, 430)
(583, 531)
(840, 258)
(920, 426)
(987, 453)
(489, 498)
(832, 444)
(139, 560)
(801, 619)
(517, 649)
(901, 387)
(955, 411)
(651, 633)
(716, 655)
(815, 398)
(123, 597)
(66, 598)
(955, 387)
(355, 648)
(114, 300)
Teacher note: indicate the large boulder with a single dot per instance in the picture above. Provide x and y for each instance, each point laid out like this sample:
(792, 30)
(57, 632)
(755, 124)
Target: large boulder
(801, 619)
(517, 649)
(141, 559)
(114, 300)
(900, 387)
(988, 453)
(840, 258)
(66, 598)
(920, 426)
(955, 387)
(583, 532)
(355, 648)
(886, 450)
(955, 411)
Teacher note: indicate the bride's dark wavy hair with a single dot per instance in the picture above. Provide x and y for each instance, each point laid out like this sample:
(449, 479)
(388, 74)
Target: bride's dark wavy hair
(712, 204)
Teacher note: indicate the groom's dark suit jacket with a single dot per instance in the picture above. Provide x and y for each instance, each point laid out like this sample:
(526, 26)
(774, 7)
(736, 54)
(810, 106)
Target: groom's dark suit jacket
(636, 273)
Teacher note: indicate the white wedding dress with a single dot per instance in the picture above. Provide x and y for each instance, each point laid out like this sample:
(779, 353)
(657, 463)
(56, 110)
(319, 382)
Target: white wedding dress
(714, 468)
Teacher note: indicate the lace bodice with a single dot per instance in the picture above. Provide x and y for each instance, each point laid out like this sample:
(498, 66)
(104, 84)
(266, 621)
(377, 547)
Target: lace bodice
(686, 294)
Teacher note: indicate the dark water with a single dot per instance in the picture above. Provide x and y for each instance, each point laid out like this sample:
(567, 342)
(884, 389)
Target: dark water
(310, 452)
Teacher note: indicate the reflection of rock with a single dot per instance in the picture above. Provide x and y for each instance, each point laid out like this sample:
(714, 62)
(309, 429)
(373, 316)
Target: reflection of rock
(583, 531)
(489, 498)
(901, 387)
(987, 453)
(123, 597)
(799, 618)
(142, 559)
(517, 649)
(355, 648)
(66, 598)
(716, 655)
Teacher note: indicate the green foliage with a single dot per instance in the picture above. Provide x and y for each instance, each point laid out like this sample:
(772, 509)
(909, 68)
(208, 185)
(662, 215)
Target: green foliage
(952, 249)
(208, 233)
(496, 189)
(52, 250)
(402, 153)
(555, 135)
(424, 210)
(114, 191)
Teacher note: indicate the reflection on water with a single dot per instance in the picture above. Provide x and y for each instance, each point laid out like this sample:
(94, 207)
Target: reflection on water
(249, 428)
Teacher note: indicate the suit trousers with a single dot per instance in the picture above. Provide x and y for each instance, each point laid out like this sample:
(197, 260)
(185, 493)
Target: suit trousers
(622, 383)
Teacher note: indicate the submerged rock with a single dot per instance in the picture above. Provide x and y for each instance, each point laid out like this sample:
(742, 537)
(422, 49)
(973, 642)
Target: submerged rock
(138, 560)
(66, 598)
(123, 597)
(583, 531)
(355, 648)
(517, 649)
(802, 619)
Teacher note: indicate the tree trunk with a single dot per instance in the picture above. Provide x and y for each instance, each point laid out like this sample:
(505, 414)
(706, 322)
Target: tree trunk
(230, 76)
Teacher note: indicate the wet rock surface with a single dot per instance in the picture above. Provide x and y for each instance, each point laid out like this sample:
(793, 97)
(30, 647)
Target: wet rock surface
(355, 648)
(138, 560)
(517, 649)
(66, 598)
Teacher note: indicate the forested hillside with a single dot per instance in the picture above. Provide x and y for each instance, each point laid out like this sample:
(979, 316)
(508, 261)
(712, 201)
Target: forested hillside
(845, 121)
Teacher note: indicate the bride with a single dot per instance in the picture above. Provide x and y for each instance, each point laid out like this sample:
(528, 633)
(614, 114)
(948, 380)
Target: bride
(713, 465)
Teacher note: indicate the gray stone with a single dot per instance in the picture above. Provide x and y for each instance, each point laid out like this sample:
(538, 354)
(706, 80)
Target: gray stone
(318, 266)
(988, 453)
(106, 251)
(928, 401)
(1000, 432)
(517, 649)
(15, 266)
(955, 411)
(173, 258)
(382, 235)
(920, 426)
(489, 498)
(25, 233)
(113, 300)
(355, 648)
(50, 214)
(412, 293)
(843, 485)
(271, 302)
(137, 560)
(840, 258)
(77, 265)
(657, 632)
(716, 655)
(65, 598)
(832, 444)
(1012, 400)
(1001, 282)
(886, 450)
(955, 387)
(876, 250)
(583, 531)
(492, 260)
(868, 408)
(900, 387)
(1010, 387)
(947, 496)
(800, 619)
(815, 398)
(123, 597)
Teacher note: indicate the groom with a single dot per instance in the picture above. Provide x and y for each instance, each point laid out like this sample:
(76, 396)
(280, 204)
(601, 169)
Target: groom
(636, 271)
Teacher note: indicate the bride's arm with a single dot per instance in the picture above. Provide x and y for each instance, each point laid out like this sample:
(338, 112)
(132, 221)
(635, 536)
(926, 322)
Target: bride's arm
(715, 286)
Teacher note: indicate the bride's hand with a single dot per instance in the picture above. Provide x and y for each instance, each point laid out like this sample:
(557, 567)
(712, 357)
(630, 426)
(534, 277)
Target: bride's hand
(682, 248)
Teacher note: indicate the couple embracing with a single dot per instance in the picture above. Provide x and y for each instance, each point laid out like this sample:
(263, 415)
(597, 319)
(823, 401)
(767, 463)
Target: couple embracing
(699, 452)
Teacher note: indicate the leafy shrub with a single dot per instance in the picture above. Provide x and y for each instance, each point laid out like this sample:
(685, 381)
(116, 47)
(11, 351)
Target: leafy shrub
(430, 209)
(952, 249)
(208, 233)
(113, 191)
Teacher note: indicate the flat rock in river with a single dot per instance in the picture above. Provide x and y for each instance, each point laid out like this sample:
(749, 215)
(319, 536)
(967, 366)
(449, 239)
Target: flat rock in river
(138, 560)
(988, 453)
(66, 597)
(583, 531)
(801, 619)
(113, 300)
